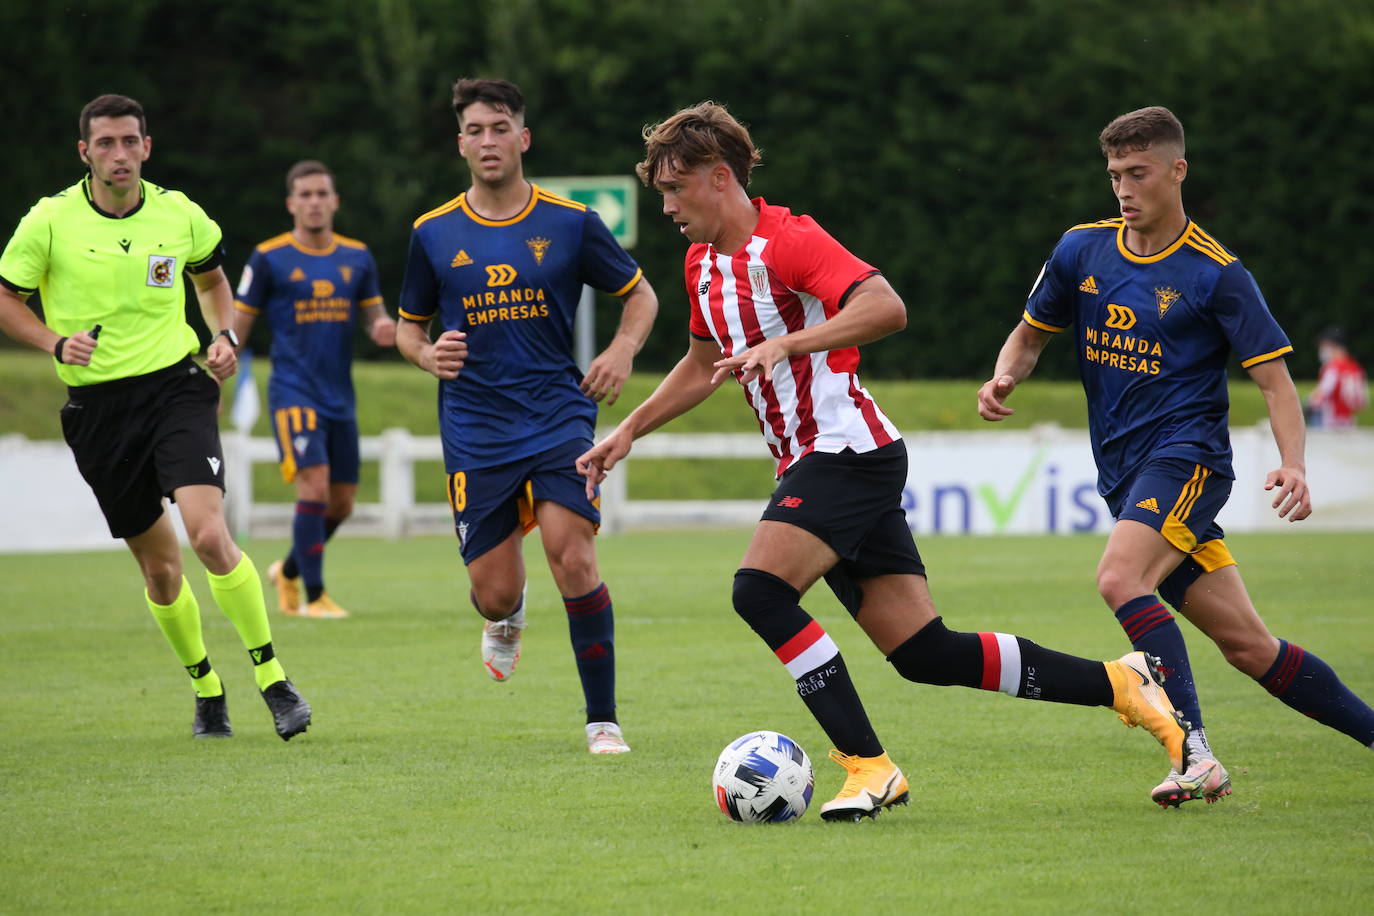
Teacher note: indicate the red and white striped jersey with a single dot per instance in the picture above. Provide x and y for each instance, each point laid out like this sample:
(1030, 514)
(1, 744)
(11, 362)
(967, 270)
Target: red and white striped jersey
(791, 275)
(1342, 391)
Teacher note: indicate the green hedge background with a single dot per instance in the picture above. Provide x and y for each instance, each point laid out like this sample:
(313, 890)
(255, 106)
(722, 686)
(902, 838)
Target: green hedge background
(949, 142)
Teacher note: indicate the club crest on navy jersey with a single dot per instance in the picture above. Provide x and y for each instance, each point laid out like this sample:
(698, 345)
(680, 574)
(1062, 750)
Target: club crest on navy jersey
(539, 246)
(1165, 296)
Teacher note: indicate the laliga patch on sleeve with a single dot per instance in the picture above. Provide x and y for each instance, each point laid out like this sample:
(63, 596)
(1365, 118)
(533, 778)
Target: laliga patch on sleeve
(245, 281)
(161, 270)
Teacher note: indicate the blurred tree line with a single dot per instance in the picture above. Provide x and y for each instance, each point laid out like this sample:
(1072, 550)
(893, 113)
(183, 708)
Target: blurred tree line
(949, 142)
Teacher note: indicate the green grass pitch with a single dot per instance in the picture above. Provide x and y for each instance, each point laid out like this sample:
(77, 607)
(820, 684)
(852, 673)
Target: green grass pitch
(425, 787)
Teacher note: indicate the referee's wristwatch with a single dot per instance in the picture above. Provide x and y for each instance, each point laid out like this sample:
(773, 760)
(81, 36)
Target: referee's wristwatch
(229, 335)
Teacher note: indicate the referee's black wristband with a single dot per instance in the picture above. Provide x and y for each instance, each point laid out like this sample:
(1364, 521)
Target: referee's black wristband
(57, 350)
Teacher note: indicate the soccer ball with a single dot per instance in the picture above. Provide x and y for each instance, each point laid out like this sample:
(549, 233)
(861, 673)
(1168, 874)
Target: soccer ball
(763, 777)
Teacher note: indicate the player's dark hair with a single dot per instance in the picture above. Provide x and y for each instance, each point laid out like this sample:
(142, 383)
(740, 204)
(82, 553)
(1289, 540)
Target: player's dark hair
(704, 133)
(307, 167)
(111, 106)
(1141, 129)
(502, 95)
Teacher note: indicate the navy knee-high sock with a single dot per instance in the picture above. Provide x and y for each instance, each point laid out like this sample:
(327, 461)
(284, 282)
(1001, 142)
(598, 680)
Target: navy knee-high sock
(1152, 629)
(290, 568)
(591, 626)
(307, 545)
(1303, 681)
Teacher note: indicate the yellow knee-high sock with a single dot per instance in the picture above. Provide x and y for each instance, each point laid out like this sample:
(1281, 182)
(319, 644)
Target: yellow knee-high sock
(239, 594)
(180, 623)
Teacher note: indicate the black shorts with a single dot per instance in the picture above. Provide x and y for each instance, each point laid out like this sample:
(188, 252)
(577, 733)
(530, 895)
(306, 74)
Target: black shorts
(853, 502)
(138, 439)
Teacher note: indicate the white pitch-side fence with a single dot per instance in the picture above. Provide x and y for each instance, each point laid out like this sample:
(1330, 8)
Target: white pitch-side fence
(994, 481)
(397, 514)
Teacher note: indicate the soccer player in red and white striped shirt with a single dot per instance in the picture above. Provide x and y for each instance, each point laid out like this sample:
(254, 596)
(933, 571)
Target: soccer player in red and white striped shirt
(782, 307)
(1342, 389)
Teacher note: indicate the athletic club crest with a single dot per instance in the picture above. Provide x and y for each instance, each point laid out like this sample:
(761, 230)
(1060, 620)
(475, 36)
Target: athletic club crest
(161, 270)
(758, 280)
(1165, 296)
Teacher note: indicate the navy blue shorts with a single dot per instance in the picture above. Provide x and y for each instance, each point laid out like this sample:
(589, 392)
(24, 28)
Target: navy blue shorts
(853, 502)
(306, 438)
(1177, 498)
(489, 503)
(1180, 500)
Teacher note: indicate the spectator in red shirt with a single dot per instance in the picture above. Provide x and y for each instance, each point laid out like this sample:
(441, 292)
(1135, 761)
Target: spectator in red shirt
(1342, 389)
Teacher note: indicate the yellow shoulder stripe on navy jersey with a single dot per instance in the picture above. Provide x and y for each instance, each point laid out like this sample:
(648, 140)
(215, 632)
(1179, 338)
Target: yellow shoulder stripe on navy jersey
(1100, 224)
(1212, 241)
(439, 211)
(555, 199)
(349, 242)
(1208, 246)
(275, 242)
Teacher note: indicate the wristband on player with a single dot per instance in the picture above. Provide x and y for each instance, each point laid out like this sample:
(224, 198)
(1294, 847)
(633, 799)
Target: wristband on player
(57, 350)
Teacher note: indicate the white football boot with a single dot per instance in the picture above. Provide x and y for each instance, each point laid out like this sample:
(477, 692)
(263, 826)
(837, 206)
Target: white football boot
(1205, 777)
(605, 738)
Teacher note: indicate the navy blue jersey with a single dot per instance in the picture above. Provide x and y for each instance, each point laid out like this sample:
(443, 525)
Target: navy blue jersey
(1154, 335)
(512, 286)
(312, 297)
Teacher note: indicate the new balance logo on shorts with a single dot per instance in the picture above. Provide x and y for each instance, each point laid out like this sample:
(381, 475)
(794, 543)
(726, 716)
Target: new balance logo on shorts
(790, 502)
(1152, 504)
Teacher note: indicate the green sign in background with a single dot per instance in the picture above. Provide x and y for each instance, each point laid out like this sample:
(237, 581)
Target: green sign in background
(611, 196)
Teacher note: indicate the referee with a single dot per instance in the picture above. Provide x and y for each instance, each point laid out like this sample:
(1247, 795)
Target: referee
(107, 256)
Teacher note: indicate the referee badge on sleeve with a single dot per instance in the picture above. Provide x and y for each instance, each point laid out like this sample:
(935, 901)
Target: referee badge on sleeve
(161, 270)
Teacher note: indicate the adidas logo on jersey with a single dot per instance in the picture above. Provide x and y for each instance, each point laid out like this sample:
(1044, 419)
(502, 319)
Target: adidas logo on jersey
(460, 259)
(1089, 285)
(1152, 504)
(296, 275)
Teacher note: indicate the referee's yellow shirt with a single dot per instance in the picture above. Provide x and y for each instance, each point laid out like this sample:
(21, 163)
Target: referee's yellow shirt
(122, 273)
